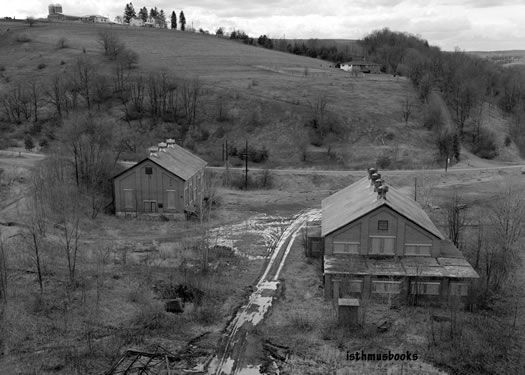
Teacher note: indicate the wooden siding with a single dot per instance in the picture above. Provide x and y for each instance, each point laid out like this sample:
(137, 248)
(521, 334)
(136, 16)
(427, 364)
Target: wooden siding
(367, 227)
(158, 192)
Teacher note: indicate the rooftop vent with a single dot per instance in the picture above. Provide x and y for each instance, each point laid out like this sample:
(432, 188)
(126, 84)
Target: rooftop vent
(381, 192)
(153, 151)
(162, 146)
(374, 177)
(377, 184)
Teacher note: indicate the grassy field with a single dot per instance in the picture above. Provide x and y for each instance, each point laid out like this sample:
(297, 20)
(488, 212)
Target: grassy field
(267, 96)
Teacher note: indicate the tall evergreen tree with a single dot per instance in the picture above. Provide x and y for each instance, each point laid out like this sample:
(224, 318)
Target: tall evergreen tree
(129, 12)
(173, 20)
(143, 14)
(154, 12)
(162, 17)
(182, 21)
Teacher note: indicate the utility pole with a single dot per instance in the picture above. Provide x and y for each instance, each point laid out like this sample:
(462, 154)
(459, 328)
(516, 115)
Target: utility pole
(227, 163)
(415, 189)
(246, 168)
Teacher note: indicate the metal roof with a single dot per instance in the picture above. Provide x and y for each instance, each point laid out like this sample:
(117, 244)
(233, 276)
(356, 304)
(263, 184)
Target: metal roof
(360, 265)
(174, 159)
(359, 199)
(178, 160)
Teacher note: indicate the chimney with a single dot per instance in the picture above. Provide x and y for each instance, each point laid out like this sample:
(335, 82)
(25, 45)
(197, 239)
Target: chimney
(381, 192)
(377, 184)
(170, 142)
(162, 147)
(374, 177)
(153, 152)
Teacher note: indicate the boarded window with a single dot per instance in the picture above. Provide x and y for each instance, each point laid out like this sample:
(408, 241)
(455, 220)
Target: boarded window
(149, 170)
(458, 289)
(386, 287)
(382, 225)
(129, 202)
(150, 206)
(171, 199)
(346, 247)
(424, 287)
(355, 286)
(418, 249)
(382, 245)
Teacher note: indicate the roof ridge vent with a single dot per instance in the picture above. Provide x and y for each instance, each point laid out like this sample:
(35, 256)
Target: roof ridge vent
(162, 146)
(381, 192)
(374, 177)
(170, 142)
(371, 171)
(153, 152)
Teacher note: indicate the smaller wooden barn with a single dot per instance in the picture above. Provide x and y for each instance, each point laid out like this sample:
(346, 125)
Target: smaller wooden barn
(169, 181)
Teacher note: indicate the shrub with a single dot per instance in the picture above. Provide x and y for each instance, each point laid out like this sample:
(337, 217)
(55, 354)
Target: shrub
(41, 66)
(220, 132)
(508, 141)
(62, 43)
(486, 147)
(23, 38)
(383, 161)
(205, 134)
(433, 118)
(2, 68)
(28, 143)
(265, 181)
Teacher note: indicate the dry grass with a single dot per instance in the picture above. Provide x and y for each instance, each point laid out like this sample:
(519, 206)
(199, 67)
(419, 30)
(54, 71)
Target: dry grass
(271, 84)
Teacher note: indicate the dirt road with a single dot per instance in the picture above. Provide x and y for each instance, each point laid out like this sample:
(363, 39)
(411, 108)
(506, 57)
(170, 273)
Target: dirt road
(239, 352)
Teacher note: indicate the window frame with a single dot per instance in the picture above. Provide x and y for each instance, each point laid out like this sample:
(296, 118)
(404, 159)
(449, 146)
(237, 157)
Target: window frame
(424, 284)
(346, 245)
(388, 290)
(382, 239)
(418, 246)
(381, 225)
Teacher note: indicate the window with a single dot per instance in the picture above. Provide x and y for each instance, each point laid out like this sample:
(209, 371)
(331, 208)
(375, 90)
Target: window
(170, 199)
(458, 289)
(149, 170)
(386, 287)
(186, 198)
(346, 247)
(382, 225)
(418, 249)
(382, 245)
(424, 287)
(128, 199)
(355, 286)
(150, 206)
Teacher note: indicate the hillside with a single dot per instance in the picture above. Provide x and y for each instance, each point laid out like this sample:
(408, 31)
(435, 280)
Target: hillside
(266, 97)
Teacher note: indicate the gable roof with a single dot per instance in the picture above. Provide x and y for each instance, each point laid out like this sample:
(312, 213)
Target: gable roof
(176, 160)
(179, 161)
(359, 199)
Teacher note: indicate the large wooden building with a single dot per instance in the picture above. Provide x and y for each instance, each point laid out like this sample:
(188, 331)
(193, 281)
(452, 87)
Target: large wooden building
(379, 242)
(169, 181)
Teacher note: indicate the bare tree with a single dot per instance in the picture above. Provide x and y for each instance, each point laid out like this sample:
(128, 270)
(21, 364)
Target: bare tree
(56, 95)
(35, 97)
(191, 91)
(406, 109)
(3, 273)
(30, 21)
(455, 210)
(37, 220)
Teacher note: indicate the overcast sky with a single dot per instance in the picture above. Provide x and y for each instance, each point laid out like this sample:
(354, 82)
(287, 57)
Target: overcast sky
(467, 24)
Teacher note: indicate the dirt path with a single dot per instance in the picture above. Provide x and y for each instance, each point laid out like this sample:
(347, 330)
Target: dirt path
(240, 350)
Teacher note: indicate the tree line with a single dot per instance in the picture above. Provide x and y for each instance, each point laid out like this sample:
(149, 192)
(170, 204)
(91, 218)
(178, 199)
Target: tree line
(314, 48)
(465, 81)
(156, 14)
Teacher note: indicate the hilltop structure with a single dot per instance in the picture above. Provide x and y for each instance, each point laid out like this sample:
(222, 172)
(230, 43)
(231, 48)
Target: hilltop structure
(377, 242)
(55, 14)
(169, 181)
